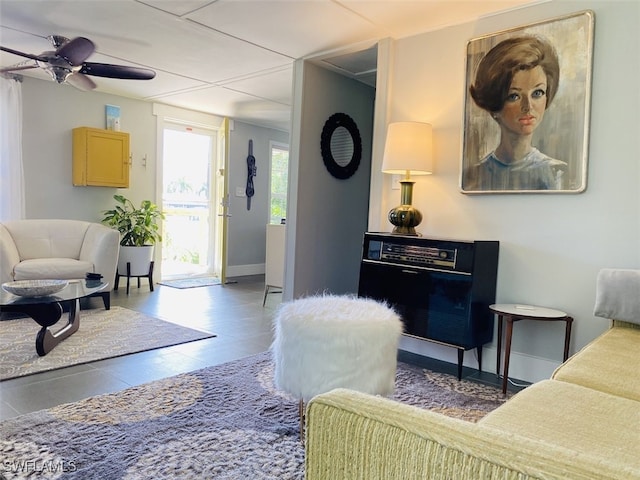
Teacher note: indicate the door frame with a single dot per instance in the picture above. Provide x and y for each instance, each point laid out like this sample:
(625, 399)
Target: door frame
(168, 114)
(222, 191)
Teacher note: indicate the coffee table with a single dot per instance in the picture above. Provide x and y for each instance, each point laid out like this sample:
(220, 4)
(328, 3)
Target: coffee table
(47, 311)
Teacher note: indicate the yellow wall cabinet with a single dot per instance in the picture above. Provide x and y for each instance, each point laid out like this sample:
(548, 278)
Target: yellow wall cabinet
(100, 158)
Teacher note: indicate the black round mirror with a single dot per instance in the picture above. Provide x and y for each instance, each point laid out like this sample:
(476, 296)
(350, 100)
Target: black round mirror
(341, 145)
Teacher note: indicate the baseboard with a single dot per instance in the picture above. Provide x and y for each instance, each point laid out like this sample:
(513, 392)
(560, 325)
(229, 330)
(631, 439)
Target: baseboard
(244, 270)
(521, 366)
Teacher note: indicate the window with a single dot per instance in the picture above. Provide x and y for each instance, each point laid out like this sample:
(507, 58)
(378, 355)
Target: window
(279, 181)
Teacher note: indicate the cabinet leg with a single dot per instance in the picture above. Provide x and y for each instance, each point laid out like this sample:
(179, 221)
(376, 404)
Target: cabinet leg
(460, 359)
(479, 350)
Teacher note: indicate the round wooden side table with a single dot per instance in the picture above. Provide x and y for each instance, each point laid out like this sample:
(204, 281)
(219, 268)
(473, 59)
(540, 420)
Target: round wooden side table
(512, 312)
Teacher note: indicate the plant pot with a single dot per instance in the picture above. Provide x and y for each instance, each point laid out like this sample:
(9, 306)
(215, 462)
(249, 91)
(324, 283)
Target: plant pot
(139, 258)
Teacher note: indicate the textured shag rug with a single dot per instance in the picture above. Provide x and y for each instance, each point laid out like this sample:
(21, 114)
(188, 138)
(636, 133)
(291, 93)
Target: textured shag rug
(225, 422)
(102, 334)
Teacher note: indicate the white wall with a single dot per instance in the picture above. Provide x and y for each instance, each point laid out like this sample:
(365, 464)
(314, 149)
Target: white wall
(51, 111)
(551, 246)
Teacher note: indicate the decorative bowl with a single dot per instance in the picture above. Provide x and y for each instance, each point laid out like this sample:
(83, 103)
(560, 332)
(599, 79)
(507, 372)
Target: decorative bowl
(34, 288)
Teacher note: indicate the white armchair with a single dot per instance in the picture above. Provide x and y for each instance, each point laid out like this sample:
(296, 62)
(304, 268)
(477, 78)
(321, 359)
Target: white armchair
(58, 249)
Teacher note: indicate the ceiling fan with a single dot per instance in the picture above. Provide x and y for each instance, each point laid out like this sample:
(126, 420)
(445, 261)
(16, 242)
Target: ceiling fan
(66, 64)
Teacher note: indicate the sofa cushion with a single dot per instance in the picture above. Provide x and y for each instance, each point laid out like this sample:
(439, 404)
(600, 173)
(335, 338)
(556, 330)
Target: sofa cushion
(573, 417)
(608, 364)
(52, 268)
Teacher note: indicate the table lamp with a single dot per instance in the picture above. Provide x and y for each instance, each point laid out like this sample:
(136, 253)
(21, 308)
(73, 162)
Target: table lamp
(408, 151)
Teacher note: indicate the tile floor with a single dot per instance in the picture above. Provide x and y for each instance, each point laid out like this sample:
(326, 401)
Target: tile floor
(233, 311)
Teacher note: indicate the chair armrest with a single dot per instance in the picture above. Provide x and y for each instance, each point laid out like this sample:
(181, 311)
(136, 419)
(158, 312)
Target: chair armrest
(9, 256)
(355, 436)
(101, 247)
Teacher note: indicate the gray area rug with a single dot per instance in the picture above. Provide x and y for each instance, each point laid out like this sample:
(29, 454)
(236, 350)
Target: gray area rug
(191, 282)
(224, 422)
(102, 334)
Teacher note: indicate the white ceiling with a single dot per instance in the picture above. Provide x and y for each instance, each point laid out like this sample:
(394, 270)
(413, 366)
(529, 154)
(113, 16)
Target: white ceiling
(226, 57)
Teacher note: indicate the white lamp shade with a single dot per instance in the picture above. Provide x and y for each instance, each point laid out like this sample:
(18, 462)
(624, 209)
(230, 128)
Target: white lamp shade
(408, 149)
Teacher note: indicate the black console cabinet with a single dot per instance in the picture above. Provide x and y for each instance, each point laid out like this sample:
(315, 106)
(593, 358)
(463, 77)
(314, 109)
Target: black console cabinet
(442, 289)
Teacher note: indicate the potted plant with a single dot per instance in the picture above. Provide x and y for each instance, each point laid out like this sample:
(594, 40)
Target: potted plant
(139, 231)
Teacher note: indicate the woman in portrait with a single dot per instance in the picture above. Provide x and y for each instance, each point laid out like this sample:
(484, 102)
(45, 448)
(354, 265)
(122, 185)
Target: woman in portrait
(515, 83)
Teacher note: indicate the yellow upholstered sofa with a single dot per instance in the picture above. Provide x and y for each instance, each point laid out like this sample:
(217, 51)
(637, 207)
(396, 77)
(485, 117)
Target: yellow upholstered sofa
(583, 423)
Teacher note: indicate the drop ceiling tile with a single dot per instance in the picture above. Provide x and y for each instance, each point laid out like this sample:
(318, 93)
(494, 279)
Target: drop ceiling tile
(245, 46)
(275, 86)
(410, 17)
(356, 62)
(292, 28)
(177, 7)
(259, 112)
(169, 43)
(216, 100)
(147, 89)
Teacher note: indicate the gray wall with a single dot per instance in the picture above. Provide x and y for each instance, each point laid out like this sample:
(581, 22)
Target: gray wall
(327, 216)
(51, 111)
(247, 228)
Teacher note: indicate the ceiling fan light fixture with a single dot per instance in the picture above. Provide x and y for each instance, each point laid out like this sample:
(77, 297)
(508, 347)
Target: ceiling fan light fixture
(67, 64)
(59, 74)
(57, 40)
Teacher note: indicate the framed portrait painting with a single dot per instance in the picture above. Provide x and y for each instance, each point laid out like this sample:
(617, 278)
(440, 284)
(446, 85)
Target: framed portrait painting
(527, 102)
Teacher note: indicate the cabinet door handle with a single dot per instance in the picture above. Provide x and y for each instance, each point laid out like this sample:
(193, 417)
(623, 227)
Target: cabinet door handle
(409, 271)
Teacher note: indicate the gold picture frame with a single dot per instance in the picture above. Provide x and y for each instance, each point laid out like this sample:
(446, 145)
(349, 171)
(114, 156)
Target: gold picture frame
(527, 108)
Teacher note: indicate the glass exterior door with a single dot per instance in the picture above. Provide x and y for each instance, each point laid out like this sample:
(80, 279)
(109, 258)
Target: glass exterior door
(187, 202)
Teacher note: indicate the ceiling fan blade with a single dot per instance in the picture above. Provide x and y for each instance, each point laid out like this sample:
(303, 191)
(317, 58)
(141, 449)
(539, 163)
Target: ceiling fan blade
(16, 68)
(76, 51)
(117, 71)
(80, 81)
(22, 54)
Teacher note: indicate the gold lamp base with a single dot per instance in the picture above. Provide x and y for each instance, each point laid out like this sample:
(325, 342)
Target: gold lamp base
(405, 217)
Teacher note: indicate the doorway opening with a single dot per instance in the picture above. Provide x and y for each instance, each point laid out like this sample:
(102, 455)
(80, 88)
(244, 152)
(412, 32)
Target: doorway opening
(278, 182)
(188, 193)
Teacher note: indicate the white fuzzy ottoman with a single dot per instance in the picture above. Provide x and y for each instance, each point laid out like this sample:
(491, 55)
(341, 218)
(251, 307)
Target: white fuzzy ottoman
(331, 341)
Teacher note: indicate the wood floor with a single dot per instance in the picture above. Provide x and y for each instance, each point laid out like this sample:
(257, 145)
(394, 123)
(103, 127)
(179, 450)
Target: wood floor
(233, 311)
